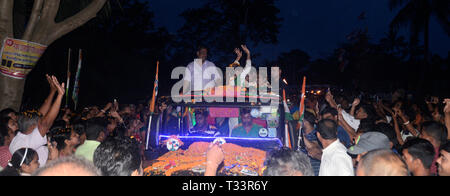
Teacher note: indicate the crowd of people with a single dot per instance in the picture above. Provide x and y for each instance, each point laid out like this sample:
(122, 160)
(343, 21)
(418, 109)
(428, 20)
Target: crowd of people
(340, 135)
(48, 141)
(396, 137)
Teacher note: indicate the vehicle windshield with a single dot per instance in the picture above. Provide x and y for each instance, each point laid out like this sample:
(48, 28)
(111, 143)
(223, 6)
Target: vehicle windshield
(223, 121)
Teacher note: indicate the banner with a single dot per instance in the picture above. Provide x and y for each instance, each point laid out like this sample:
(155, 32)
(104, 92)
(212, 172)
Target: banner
(18, 57)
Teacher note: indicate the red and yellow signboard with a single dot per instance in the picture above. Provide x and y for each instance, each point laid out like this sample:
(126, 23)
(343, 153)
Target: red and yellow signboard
(18, 57)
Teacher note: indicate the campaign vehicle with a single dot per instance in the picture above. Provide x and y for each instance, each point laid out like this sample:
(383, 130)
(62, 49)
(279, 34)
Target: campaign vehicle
(247, 127)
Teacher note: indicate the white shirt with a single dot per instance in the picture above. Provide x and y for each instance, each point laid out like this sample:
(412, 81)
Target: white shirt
(35, 141)
(352, 121)
(336, 161)
(204, 75)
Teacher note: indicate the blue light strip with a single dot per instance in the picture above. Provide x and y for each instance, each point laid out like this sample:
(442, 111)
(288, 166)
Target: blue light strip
(226, 138)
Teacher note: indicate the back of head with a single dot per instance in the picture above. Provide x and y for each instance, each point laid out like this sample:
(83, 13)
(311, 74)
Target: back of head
(27, 120)
(382, 163)
(5, 113)
(420, 149)
(68, 166)
(310, 118)
(366, 125)
(20, 157)
(329, 110)
(118, 156)
(327, 129)
(59, 134)
(436, 130)
(286, 162)
(93, 129)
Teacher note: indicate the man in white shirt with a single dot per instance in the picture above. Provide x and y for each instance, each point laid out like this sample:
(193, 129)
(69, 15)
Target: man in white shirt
(201, 74)
(33, 127)
(335, 160)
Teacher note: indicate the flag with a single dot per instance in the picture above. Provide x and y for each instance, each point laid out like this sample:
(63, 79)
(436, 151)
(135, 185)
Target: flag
(155, 90)
(287, 111)
(302, 104)
(76, 86)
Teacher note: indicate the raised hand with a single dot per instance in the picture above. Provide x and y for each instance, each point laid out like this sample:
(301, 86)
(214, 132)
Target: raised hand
(59, 87)
(356, 102)
(246, 50)
(50, 82)
(238, 53)
(447, 106)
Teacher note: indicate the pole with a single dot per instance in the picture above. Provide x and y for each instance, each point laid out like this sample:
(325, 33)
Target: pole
(148, 131)
(68, 79)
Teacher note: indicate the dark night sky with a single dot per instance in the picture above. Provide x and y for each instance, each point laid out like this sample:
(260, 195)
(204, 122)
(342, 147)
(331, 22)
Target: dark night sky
(316, 27)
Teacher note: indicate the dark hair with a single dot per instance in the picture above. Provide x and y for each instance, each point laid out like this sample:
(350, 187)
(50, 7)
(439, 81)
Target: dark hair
(5, 113)
(435, 130)
(329, 110)
(445, 147)
(118, 156)
(59, 134)
(93, 129)
(389, 131)
(20, 157)
(420, 149)
(3, 129)
(79, 127)
(369, 110)
(284, 162)
(200, 47)
(327, 129)
(245, 111)
(78, 162)
(366, 125)
(310, 118)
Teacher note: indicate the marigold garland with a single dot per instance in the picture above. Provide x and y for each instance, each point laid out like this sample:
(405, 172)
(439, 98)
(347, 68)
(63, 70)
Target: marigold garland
(236, 159)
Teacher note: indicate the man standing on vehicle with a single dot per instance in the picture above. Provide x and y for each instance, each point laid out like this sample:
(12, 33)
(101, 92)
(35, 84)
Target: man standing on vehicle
(201, 74)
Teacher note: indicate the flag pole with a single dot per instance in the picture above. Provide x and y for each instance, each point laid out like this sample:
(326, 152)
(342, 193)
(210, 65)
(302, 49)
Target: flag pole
(152, 105)
(301, 111)
(68, 78)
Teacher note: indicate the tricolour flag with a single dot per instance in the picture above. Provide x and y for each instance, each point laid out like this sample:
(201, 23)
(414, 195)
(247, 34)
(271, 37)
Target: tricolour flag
(302, 103)
(76, 86)
(155, 90)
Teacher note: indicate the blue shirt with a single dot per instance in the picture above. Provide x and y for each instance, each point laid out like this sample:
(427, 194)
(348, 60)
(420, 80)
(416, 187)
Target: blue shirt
(344, 137)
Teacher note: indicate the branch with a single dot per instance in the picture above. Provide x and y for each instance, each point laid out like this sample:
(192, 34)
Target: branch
(35, 15)
(6, 19)
(70, 24)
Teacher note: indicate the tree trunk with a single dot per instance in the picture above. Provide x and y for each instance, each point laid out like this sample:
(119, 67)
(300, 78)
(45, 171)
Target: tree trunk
(11, 92)
(41, 28)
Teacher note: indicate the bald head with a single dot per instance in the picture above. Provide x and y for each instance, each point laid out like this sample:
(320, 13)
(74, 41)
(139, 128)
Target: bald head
(68, 166)
(382, 163)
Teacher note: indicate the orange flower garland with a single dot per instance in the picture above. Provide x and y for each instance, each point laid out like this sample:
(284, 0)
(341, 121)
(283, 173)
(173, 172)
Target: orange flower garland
(236, 159)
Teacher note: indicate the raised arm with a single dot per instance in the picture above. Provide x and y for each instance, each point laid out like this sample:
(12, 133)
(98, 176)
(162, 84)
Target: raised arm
(47, 103)
(47, 120)
(238, 58)
(408, 124)
(355, 103)
(330, 99)
(248, 64)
